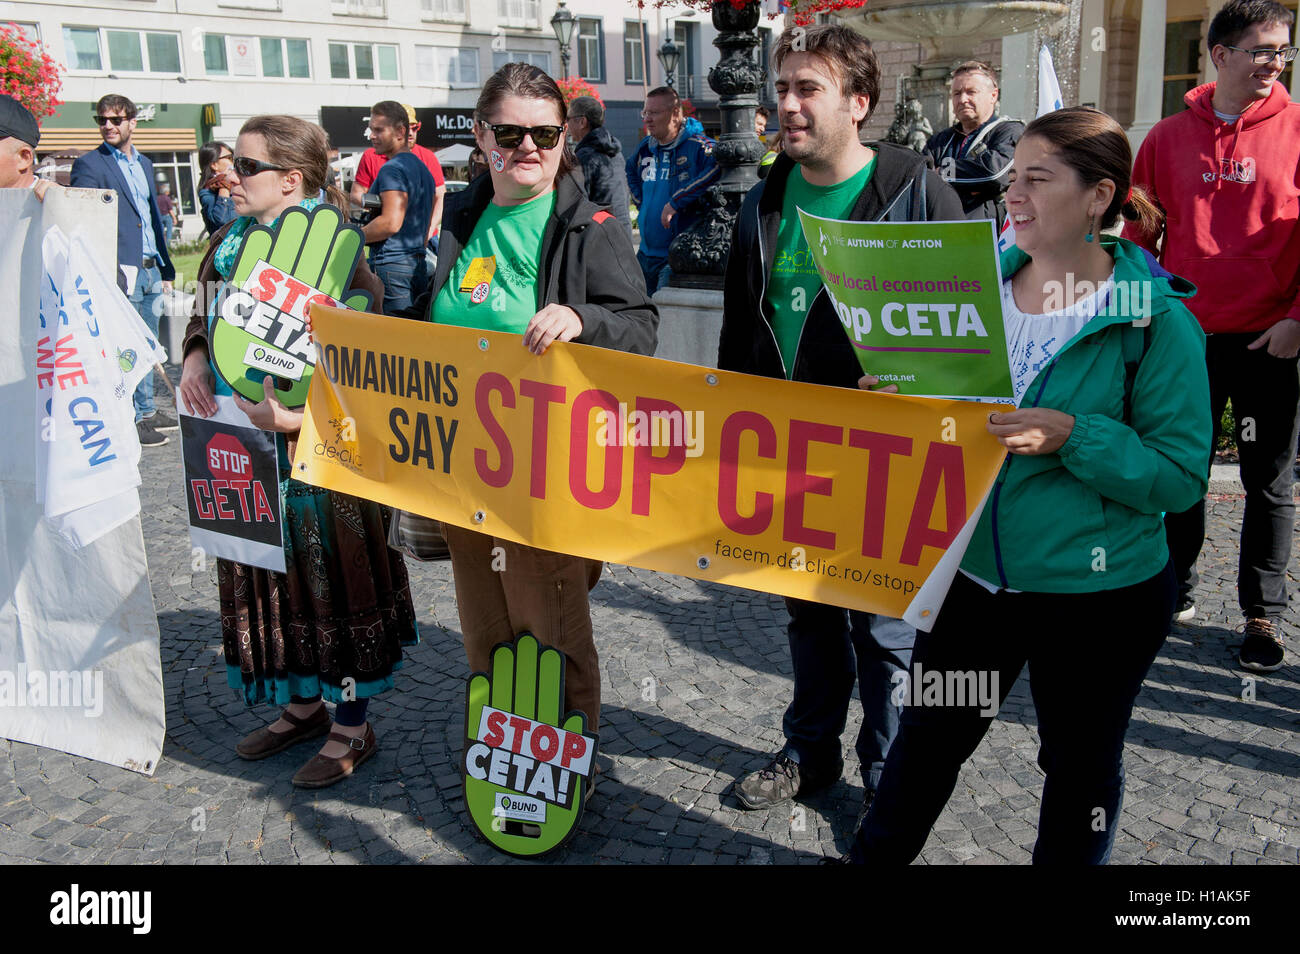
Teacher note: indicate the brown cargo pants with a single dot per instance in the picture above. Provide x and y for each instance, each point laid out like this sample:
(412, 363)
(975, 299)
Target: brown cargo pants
(537, 591)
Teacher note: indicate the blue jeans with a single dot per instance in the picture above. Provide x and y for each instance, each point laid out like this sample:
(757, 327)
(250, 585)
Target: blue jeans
(403, 280)
(1087, 653)
(146, 296)
(830, 648)
(655, 271)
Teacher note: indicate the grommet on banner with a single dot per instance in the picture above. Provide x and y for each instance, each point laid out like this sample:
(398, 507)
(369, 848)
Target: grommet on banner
(711, 380)
(482, 344)
(302, 465)
(702, 563)
(479, 516)
(106, 198)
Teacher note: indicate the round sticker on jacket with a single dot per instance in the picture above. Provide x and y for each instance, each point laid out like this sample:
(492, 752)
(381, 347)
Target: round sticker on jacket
(479, 294)
(498, 160)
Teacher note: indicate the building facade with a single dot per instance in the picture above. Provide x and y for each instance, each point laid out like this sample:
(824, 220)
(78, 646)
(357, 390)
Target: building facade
(198, 69)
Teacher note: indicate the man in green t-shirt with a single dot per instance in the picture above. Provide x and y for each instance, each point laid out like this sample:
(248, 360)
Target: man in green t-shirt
(777, 322)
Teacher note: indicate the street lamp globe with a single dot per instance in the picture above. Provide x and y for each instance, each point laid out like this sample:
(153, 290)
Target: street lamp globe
(669, 54)
(563, 23)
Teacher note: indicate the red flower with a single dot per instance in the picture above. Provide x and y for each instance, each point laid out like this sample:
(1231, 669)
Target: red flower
(28, 73)
(575, 86)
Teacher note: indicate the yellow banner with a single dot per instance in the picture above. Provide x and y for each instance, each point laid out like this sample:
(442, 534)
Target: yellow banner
(825, 494)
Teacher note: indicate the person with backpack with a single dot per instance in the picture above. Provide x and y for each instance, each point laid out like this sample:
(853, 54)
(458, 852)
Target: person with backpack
(974, 154)
(1067, 569)
(776, 322)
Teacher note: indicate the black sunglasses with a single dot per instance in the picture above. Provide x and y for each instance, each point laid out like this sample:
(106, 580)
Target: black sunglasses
(509, 135)
(245, 167)
(115, 120)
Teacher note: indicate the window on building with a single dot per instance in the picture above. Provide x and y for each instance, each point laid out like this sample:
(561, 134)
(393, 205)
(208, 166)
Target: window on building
(134, 51)
(176, 169)
(1182, 62)
(29, 30)
(519, 13)
(684, 38)
(443, 10)
(129, 51)
(358, 8)
(363, 61)
(540, 60)
(446, 66)
(634, 46)
(268, 56)
(81, 47)
(591, 49)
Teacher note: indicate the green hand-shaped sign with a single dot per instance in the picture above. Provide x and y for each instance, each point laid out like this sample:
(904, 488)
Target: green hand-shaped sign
(257, 327)
(526, 772)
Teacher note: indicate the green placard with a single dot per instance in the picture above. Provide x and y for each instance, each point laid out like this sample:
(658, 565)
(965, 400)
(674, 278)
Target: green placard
(921, 302)
(257, 328)
(526, 769)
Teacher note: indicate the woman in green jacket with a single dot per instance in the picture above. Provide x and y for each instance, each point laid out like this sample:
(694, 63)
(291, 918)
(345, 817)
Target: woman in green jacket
(1068, 569)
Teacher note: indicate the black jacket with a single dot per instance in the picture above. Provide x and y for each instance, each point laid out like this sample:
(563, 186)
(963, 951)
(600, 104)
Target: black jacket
(980, 176)
(901, 189)
(587, 263)
(605, 170)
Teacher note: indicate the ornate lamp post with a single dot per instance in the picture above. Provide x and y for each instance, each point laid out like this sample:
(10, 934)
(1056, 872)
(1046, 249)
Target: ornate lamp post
(698, 256)
(563, 23)
(669, 54)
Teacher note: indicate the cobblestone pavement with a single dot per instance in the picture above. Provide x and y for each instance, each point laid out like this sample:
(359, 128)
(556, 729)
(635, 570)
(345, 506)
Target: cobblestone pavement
(695, 678)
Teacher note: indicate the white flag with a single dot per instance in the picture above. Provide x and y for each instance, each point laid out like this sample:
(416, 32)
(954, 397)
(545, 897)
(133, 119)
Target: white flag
(1049, 90)
(1049, 100)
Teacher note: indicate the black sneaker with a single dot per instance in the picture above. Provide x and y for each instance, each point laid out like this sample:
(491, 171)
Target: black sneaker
(162, 422)
(148, 436)
(1262, 649)
(1184, 611)
(779, 782)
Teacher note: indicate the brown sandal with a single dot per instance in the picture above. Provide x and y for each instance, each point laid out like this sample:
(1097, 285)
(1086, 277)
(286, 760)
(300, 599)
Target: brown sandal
(264, 743)
(323, 771)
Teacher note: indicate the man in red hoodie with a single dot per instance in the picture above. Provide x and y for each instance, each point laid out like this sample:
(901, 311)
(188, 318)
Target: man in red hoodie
(1224, 171)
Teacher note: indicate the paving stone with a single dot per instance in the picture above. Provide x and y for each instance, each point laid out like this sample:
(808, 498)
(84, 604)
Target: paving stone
(1210, 778)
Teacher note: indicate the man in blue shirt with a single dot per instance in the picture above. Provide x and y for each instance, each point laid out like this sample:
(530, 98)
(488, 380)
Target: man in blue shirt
(667, 176)
(144, 270)
(397, 233)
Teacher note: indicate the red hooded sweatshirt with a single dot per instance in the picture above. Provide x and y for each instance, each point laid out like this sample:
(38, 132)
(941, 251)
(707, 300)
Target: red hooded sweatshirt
(1231, 196)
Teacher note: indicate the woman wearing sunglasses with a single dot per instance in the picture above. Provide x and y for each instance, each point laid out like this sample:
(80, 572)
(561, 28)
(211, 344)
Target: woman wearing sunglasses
(563, 270)
(341, 613)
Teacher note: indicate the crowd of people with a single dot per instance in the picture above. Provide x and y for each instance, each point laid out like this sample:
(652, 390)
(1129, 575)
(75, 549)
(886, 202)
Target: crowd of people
(1109, 445)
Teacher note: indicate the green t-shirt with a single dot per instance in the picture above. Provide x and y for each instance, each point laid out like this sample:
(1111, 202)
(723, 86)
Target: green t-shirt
(493, 285)
(794, 281)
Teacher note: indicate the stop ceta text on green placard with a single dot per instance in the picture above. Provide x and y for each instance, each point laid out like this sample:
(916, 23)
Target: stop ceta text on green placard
(526, 769)
(920, 301)
(258, 328)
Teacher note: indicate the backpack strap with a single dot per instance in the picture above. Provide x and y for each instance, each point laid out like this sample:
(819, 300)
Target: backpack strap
(1134, 342)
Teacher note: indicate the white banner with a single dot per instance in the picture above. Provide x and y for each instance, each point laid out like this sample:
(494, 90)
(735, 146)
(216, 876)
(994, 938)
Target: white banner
(79, 663)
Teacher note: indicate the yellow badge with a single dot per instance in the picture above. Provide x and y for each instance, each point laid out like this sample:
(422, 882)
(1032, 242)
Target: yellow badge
(480, 271)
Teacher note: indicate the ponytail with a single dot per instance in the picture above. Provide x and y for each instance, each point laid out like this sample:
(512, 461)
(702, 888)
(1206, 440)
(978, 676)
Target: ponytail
(338, 198)
(1140, 209)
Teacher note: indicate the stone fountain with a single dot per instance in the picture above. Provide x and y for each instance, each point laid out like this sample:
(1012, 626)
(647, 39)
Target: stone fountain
(948, 31)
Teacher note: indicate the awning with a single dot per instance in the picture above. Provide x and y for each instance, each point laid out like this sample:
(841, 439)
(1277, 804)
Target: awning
(146, 140)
